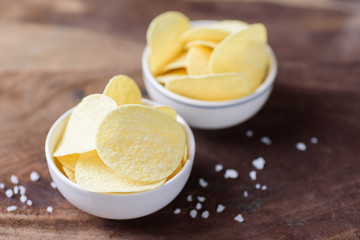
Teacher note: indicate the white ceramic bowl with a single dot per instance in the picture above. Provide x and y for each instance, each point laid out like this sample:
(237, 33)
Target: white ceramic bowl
(117, 206)
(211, 114)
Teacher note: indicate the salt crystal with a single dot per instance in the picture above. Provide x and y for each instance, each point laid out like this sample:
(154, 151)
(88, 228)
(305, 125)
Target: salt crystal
(218, 167)
(231, 173)
(11, 208)
(193, 213)
(239, 218)
(201, 199)
(34, 176)
(252, 175)
(53, 185)
(49, 209)
(249, 133)
(14, 179)
(205, 214)
(177, 211)
(22, 190)
(257, 186)
(23, 198)
(189, 198)
(259, 163)
(29, 202)
(203, 183)
(220, 208)
(301, 146)
(246, 194)
(198, 206)
(2, 186)
(314, 140)
(265, 140)
(263, 187)
(16, 189)
(9, 193)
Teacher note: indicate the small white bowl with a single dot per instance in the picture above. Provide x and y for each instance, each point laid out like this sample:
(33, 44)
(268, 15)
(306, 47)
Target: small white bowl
(211, 114)
(117, 206)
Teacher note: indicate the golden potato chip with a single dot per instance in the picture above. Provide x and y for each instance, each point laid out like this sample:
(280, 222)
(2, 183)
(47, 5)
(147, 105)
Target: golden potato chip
(69, 173)
(204, 33)
(212, 87)
(173, 174)
(178, 62)
(203, 43)
(123, 90)
(69, 161)
(141, 143)
(93, 175)
(168, 110)
(197, 61)
(170, 75)
(163, 39)
(80, 132)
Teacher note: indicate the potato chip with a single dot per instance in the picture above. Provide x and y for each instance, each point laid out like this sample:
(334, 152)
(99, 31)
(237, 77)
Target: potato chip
(204, 33)
(168, 110)
(69, 161)
(173, 174)
(178, 62)
(212, 87)
(185, 157)
(80, 132)
(141, 143)
(69, 173)
(123, 90)
(163, 39)
(93, 175)
(171, 75)
(197, 61)
(204, 43)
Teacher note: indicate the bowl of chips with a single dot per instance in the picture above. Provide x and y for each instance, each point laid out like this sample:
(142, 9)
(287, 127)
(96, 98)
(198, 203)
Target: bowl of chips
(216, 74)
(119, 156)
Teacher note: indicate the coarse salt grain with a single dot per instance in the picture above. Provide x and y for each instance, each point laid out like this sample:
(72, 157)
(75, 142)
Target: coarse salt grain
(252, 175)
(34, 176)
(205, 214)
(193, 213)
(249, 133)
(231, 173)
(257, 186)
(246, 194)
(314, 140)
(14, 179)
(16, 189)
(11, 208)
(189, 198)
(49, 209)
(29, 202)
(203, 183)
(177, 211)
(22, 190)
(53, 185)
(239, 218)
(220, 208)
(9, 193)
(2, 186)
(259, 163)
(201, 199)
(263, 187)
(23, 198)
(198, 206)
(301, 146)
(265, 140)
(218, 167)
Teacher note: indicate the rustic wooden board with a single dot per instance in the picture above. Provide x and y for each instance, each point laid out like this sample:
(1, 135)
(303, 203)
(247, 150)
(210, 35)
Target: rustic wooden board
(54, 53)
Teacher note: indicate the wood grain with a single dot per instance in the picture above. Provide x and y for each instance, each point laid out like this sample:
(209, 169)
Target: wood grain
(54, 53)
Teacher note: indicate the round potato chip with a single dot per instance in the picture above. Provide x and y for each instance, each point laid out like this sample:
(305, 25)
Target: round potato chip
(212, 87)
(123, 90)
(197, 61)
(80, 132)
(163, 39)
(170, 75)
(140, 142)
(93, 175)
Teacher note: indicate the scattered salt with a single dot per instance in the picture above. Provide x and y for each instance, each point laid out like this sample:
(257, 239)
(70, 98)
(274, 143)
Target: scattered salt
(231, 173)
(14, 179)
(2, 186)
(22, 190)
(189, 198)
(301, 146)
(252, 175)
(193, 213)
(314, 140)
(201, 199)
(34, 176)
(23, 198)
(239, 218)
(11, 208)
(249, 133)
(218, 167)
(220, 208)
(246, 194)
(16, 189)
(205, 214)
(9, 193)
(265, 140)
(198, 206)
(177, 211)
(257, 186)
(263, 187)
(203, 183)
(53, 185)
(49, 209)
(29, 202)
(259, 163)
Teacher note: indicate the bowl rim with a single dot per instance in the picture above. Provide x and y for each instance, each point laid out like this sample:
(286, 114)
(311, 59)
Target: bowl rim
(264, 87)
(187, 167)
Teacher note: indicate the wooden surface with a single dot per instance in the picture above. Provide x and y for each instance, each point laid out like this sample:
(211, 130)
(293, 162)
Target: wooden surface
(52, 53)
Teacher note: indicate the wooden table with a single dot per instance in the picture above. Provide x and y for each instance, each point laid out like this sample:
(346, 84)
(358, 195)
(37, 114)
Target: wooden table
(54, 53)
